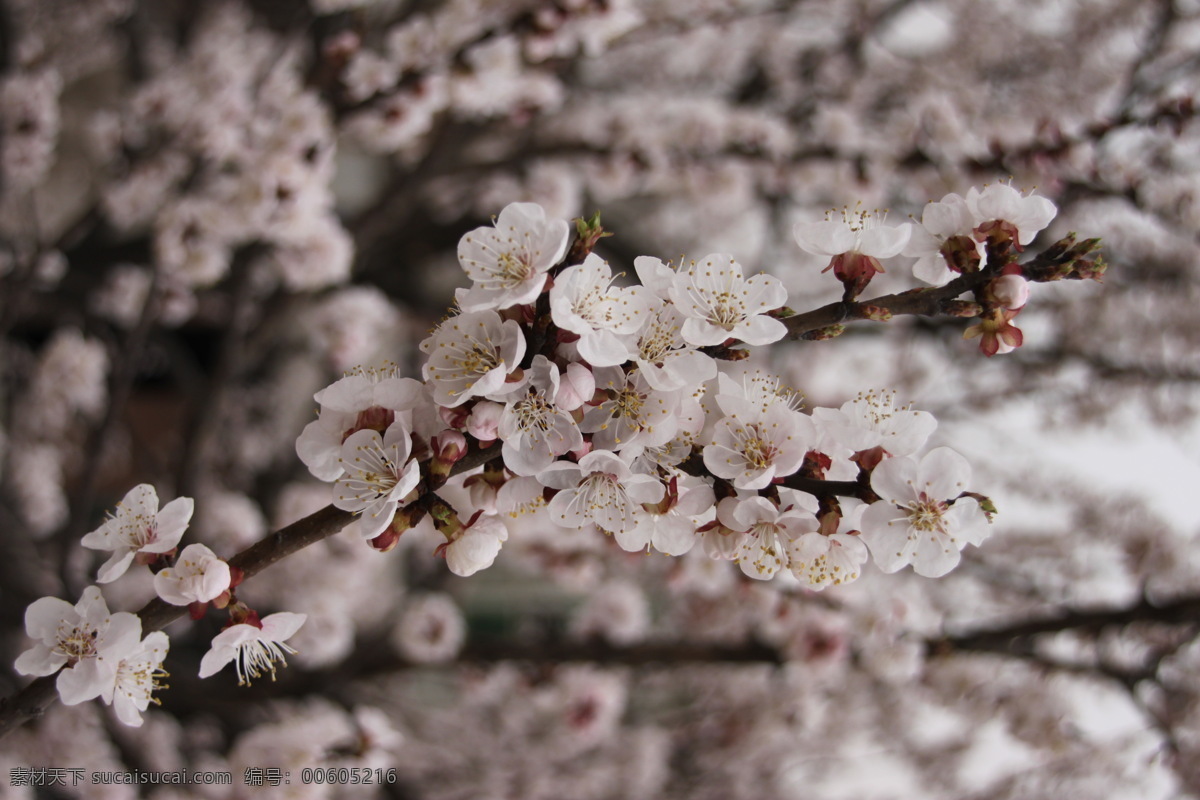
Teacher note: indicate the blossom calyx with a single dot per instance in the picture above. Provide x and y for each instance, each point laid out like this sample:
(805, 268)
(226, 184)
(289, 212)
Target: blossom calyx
(996, 333)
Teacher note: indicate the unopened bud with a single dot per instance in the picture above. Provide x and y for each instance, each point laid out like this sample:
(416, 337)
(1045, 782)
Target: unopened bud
(1009, 291)
(386, 541)
(824, 334)
(587, 233)
(876, 313)
(962, 308)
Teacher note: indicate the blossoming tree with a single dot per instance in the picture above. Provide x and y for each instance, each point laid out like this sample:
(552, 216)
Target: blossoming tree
(573, 514)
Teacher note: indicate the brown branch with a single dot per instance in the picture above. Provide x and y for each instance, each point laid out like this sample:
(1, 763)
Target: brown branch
(32, 701)
(1015, 638)
(1066, 259)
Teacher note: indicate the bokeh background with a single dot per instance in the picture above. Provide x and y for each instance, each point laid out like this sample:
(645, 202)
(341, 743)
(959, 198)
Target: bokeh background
(210, 210)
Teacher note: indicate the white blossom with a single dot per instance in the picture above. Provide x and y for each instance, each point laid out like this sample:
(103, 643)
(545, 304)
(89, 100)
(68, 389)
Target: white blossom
(665, 358)
(377, 475)
(872, 419)
(1029, 214)
(197, 577)
(634, 413)
(769, 533)
(365, 398)
(672, 531)
(855, 243)
(132, 689)
(254, 649)
(718, 303)
(751, 451)
(533, 429)
(139, 528)
(829, 557)
(600, 489)
(476, 546)
(921, 519)
(584, 302)
(472, 355)
(941, 220)
(508, 263)
(85, 638)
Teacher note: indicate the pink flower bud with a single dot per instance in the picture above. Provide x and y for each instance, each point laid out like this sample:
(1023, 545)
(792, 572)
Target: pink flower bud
(577, 386)
(449, 446)
(1010, 291)
(484, 422)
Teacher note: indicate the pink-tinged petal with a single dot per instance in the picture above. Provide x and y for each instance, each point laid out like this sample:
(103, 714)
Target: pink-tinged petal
(884, 241)
(967, 522)
(44, 615)
(216, 658)
(637, 538)
(997, 201)
(674, 536)
(122, 636)
(943, 474)
(760, 330)
(349, 394)
(522, 216)
(948, 217)
(100, 539)
(115, 567)
(699, 333)
(654, 275)
(560, 475)
(933, 270)
(644, 489)
(827, 238)
(398, 393)
(885, 533)
(764, 293)
(141, 500)
(893, 479)
(1036, 214)
(38, 661)
(614, 517)
(282, 625)
(173, 521)
(696, 500)
(127, 711)
(471, 553)
(375, 519)
(568, 509)
(318, 446)
(84, 681)
(935, 556)
(756, 479)
(604, 348)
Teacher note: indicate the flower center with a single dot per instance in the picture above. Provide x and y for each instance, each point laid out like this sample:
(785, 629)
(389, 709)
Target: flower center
(926, 515)
(657, 341)
(758, 452)
(511, 271)
(374, 471)
(602, 490)
(77, 642)
(533, 412)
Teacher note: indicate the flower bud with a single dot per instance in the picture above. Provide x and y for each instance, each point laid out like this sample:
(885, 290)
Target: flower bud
(1009, 291)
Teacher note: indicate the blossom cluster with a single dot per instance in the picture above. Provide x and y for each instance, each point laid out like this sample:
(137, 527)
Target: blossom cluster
(587, 401)
(950, 239)
(102, 654)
